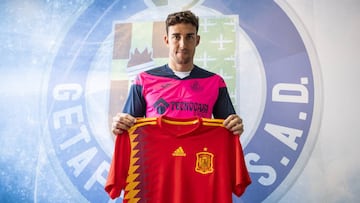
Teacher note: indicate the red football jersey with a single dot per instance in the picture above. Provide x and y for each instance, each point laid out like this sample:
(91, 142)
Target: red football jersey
(167, 160)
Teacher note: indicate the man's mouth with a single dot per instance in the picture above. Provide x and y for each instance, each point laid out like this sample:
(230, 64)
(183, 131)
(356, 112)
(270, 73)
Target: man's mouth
(182, 52)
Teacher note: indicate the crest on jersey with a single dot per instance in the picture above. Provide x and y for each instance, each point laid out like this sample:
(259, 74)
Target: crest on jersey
(204, 162)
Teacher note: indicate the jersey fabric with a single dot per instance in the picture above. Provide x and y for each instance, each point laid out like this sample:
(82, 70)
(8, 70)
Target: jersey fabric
(167, 160)
(160, 92)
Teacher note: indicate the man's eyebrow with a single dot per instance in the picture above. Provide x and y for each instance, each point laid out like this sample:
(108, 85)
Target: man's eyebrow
(186, 33)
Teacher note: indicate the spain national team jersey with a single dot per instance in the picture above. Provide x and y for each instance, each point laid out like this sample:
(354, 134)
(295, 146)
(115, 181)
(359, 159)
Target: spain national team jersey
(167, 160)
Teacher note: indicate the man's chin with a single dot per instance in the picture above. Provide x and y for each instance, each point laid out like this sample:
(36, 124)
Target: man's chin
(182, 62)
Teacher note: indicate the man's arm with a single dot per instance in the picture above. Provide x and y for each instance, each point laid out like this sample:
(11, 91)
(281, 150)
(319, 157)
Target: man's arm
(224, 109)
(135, 106)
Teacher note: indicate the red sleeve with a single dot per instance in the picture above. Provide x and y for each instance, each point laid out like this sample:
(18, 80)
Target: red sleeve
(116, 180)
(242, 178)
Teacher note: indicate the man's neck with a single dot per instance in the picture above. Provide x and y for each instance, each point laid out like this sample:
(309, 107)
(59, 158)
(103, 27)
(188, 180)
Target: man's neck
(181, 67)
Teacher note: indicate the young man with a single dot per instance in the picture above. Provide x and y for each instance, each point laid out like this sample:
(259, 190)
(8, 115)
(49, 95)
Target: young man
(179, 89)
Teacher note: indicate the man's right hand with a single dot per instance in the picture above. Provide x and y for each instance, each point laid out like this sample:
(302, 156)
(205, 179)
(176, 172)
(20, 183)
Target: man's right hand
(122, 122)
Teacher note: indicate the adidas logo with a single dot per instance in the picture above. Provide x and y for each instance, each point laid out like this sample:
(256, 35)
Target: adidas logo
(179, 152)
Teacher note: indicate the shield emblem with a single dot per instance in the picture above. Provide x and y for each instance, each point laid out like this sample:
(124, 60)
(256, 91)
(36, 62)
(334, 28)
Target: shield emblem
(204, 162)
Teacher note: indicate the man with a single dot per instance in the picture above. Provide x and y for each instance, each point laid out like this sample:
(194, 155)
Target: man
(179, 88)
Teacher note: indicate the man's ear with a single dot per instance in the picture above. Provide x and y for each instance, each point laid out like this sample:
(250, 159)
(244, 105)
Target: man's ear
(166, 40)
(197, 40)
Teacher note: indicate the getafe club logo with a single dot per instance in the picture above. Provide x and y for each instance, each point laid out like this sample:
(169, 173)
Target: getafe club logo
(273, 81)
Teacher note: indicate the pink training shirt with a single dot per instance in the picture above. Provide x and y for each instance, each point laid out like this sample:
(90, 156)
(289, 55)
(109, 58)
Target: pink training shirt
(159, 91)
(179, 98)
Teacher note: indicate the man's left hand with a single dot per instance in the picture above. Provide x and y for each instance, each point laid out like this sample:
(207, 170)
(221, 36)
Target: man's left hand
(234, 123)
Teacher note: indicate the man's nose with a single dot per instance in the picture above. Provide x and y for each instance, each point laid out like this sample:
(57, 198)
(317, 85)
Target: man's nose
(182, 42)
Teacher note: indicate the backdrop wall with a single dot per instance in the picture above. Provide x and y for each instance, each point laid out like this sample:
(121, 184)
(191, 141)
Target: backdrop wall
(291, 67)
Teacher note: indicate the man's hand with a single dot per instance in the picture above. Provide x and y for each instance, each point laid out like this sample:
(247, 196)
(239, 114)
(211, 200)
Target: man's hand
(122, 122)
(234, 124)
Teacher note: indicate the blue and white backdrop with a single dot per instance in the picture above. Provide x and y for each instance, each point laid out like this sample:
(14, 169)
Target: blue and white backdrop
(291, 69)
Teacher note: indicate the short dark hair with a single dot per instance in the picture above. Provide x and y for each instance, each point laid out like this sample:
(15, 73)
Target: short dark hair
(182, 17)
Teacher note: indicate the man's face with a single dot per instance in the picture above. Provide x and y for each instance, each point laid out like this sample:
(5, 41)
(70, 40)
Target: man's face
(182, 41)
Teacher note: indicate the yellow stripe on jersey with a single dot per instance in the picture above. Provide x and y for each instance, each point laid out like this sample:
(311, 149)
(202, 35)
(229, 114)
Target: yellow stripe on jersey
(213, 122)
(190, 122)
(141, 122)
